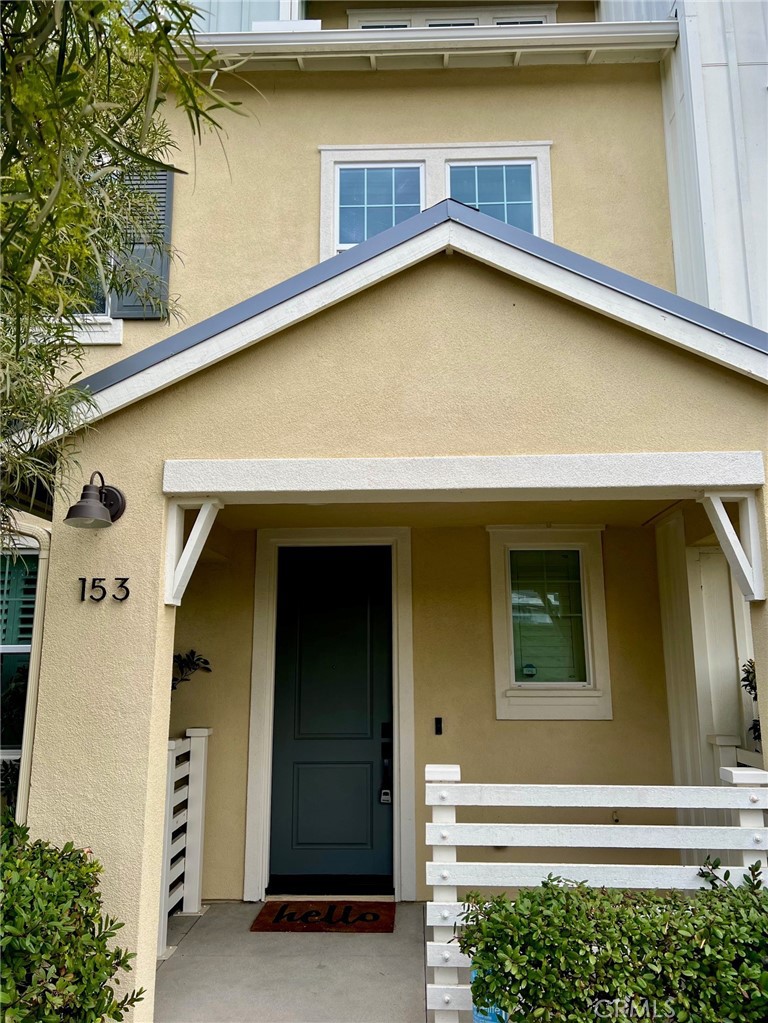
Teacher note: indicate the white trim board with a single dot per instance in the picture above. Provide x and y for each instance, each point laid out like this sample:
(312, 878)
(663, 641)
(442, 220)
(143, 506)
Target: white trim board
(525, 266)
(257, 833)
(464, 478)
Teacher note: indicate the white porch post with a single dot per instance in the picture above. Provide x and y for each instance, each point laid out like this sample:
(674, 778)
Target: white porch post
(193, 873)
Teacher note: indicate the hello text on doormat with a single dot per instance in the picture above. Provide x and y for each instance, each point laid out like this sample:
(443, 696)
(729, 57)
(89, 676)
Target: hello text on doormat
(336, 917)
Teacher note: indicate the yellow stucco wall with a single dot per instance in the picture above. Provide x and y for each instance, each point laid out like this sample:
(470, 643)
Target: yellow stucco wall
(247, 215)
(451, 358)
(453, 679)
(447, 358)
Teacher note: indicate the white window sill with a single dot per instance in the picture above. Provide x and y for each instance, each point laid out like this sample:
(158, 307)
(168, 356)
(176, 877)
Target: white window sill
(99, 330)
(535, 705)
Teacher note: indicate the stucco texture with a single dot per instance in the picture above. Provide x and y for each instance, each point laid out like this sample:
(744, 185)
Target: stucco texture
(447, 358)
(247, 213)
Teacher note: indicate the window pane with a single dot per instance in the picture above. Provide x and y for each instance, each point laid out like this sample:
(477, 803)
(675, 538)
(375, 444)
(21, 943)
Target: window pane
(13, 693)
(492, 209)
(351, 225)
(407, 185)
(547, 618)
(405, 212)
(373, 199)
(490, 184)
(352, 186)
(520, 215)
(463, 186)
(379, 186)
(518, 181)
(379, 219)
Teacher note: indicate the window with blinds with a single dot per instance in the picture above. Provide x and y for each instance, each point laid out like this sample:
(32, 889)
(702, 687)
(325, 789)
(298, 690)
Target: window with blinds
(18, 585)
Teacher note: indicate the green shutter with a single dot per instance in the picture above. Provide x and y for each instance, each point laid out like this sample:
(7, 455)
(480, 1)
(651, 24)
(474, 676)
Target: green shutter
(129, 306)
(18, 583)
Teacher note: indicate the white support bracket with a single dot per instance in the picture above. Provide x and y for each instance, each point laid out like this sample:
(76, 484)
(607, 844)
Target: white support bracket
(181, 558)
(742, 549)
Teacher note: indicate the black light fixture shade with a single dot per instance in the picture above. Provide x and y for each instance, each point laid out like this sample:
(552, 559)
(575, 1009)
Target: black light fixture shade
(99, 506)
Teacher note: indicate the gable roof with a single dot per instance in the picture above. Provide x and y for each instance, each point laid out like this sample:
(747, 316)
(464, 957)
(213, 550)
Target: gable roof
(447, 226)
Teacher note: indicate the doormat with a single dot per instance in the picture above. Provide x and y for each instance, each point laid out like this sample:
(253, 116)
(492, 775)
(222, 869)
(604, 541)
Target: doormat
(336, 917)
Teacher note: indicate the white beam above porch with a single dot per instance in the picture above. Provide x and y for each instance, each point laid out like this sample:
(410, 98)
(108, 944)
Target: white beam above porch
(464, 478)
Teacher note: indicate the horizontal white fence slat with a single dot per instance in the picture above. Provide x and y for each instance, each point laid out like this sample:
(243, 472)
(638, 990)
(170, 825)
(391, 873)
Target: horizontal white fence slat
(178, 820)
(609, 875)
(444, 914)
(446, 954)
(183, 829)
(176, 894)
(177, 869)
(582, 796)
(745, 794)
(592, 836)
(452, 997)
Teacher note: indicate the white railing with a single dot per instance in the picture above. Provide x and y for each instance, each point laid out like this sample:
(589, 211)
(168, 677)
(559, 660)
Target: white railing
(729, 752)
(184, 830)
(746, 842)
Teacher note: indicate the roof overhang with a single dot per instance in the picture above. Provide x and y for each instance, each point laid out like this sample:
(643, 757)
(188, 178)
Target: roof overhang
(430, 48)
(446, 227)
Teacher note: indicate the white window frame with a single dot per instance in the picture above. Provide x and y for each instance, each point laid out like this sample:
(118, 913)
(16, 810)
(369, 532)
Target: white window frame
(426, 17)
(99, 329)
(551, 701)
(435, 159)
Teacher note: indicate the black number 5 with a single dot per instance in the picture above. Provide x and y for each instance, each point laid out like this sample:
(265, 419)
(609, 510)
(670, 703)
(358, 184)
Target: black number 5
(123, 587)
(96, 587)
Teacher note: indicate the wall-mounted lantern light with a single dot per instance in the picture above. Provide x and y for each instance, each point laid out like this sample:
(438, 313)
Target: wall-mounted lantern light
(98, 507)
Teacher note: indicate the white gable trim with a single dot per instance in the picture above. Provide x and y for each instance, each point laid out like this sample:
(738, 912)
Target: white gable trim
(444, 236)
(271, 321)
(618, 306)
(665, 474)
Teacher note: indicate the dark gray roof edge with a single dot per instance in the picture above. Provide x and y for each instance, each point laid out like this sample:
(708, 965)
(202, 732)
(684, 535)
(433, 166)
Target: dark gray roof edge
(667, 301)
(442, 212)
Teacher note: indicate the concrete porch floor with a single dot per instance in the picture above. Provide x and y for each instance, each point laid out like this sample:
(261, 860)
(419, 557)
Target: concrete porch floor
(223, 973)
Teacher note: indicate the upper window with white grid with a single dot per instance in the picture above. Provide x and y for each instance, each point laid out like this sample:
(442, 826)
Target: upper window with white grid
(367, 189)
(372, 199)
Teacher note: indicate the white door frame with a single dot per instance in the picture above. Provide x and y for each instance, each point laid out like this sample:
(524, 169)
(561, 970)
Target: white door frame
(257, 822)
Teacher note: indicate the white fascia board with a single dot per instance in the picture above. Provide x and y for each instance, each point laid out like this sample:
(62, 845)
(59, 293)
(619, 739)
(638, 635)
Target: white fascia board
(271, 321)
(464, 478)
(600, 298)
(553, 38)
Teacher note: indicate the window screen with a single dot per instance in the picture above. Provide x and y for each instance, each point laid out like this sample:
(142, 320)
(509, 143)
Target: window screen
(547, 617)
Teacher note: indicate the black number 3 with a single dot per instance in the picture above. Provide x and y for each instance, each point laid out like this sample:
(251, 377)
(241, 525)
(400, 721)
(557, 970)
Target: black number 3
(123, 587)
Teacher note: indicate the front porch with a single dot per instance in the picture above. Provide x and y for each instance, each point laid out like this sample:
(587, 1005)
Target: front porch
(223, 973)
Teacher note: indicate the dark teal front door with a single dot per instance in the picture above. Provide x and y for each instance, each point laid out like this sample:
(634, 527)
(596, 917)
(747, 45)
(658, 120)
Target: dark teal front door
(332, 753)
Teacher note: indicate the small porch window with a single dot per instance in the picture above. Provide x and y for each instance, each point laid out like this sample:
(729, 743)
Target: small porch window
(375, 198)
(549, 625)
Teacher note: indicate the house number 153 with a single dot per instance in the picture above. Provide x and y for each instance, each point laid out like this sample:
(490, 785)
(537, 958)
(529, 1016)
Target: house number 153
(98, 591)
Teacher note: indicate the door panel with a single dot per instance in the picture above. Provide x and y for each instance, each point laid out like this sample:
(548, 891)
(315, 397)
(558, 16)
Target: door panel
(333, 708)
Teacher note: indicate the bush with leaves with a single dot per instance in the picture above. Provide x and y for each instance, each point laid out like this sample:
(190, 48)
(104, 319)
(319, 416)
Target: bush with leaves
(58, 963)
(565, 951)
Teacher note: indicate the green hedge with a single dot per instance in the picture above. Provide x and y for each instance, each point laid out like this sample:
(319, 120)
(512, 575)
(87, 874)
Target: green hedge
(568, 952)
(56, 960)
